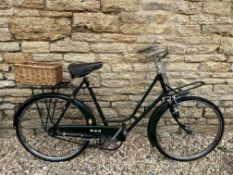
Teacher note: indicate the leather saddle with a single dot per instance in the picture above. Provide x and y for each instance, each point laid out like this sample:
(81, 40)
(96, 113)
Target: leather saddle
(81, 70)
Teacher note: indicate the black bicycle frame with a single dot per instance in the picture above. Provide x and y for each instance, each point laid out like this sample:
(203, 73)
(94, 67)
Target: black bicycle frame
(106, 122)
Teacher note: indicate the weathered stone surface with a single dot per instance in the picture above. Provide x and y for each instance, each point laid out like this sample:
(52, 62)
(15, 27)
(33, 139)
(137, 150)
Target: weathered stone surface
(214, 66)
(188, 30)
(225, 89)
(4, 67)
(178, 19)
(80, 5)
(146, 28)
(97, 22)
(110, 58)
(202, 19)
(182, 67)
(47, 57)
(4, 4)
(108, 47)
(69, 46)
(55, 14)
(225, 30)
(122, 68)
(131, 5)
(9, 46)
(85, 58)
(151, 5)
(5, 34)
(6, 106)
(4, 22)
(6, 83)
(40, 28)
(29, 3)
(17, 57)
(1, 78)
(217, 7)
(224, 19)
(26, 12)
(227, 45)
(185, 7)
(35, 46)
(111, 5)
(79, 36)
(9, 76)
(202, 58)
(202, 48)
(144, 17)
(15, 92)
(7, 12)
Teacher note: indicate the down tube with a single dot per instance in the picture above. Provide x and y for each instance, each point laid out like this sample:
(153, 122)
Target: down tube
(137, 120)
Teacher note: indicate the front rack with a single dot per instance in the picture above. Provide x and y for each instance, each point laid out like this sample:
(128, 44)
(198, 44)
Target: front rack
(186, 88)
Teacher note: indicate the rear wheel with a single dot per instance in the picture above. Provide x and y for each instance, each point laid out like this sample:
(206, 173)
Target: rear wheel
(36, 118)
(191, 132)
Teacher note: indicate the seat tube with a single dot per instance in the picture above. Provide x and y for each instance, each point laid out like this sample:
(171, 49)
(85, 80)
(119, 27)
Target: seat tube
(95, 101)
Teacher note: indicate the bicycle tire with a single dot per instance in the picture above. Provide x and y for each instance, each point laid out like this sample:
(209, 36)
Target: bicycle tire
(174, 136)
(36, 139)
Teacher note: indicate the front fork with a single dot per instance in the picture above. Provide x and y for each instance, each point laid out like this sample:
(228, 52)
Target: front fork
(174, 108)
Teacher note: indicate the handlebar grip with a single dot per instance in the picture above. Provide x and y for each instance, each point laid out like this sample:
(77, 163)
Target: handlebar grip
(150, 48)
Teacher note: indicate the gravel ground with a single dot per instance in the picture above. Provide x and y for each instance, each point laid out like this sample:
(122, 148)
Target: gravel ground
(135, 157)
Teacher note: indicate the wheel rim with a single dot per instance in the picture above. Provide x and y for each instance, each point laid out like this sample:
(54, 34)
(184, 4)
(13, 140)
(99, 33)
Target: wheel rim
(205, 123)
(34, 136)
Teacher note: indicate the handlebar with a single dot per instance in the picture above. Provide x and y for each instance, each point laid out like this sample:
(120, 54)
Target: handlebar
(162, 53)
(154, 52)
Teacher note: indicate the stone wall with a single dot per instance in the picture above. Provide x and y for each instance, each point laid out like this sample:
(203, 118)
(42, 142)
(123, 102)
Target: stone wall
(199, 34)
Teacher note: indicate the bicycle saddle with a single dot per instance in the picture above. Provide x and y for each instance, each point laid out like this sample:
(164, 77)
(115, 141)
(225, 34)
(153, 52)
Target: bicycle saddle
(80, 70)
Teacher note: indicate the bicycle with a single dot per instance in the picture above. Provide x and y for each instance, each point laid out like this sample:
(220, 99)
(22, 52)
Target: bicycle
(58, 127)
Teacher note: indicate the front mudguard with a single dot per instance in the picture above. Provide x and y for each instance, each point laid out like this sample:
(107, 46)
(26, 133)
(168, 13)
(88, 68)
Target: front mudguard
(86, 111)
(159, 111)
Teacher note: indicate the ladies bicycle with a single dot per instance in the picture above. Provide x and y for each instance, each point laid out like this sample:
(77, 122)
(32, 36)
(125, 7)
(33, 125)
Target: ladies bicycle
(57, 127)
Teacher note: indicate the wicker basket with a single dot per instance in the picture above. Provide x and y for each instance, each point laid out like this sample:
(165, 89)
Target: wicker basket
(35, 73)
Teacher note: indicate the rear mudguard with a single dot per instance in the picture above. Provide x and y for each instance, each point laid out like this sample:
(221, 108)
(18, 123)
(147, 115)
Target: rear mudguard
(159, 111)
(86, 111)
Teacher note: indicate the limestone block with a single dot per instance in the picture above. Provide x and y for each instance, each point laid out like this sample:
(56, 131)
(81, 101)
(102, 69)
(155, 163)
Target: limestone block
(9, 46)
(108, 47)
(214, 66)
(47, 57)
(29, 3)
(17, 57)
(217, 7)
(79, 5)
(5, 34)
(225, 30)
(97, 22)
(69, 46)
(35, 46)
(85, 58)
(40, 28)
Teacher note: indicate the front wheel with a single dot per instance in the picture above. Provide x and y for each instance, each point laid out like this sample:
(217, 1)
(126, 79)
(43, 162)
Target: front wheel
(37, 117)
(190, 132)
